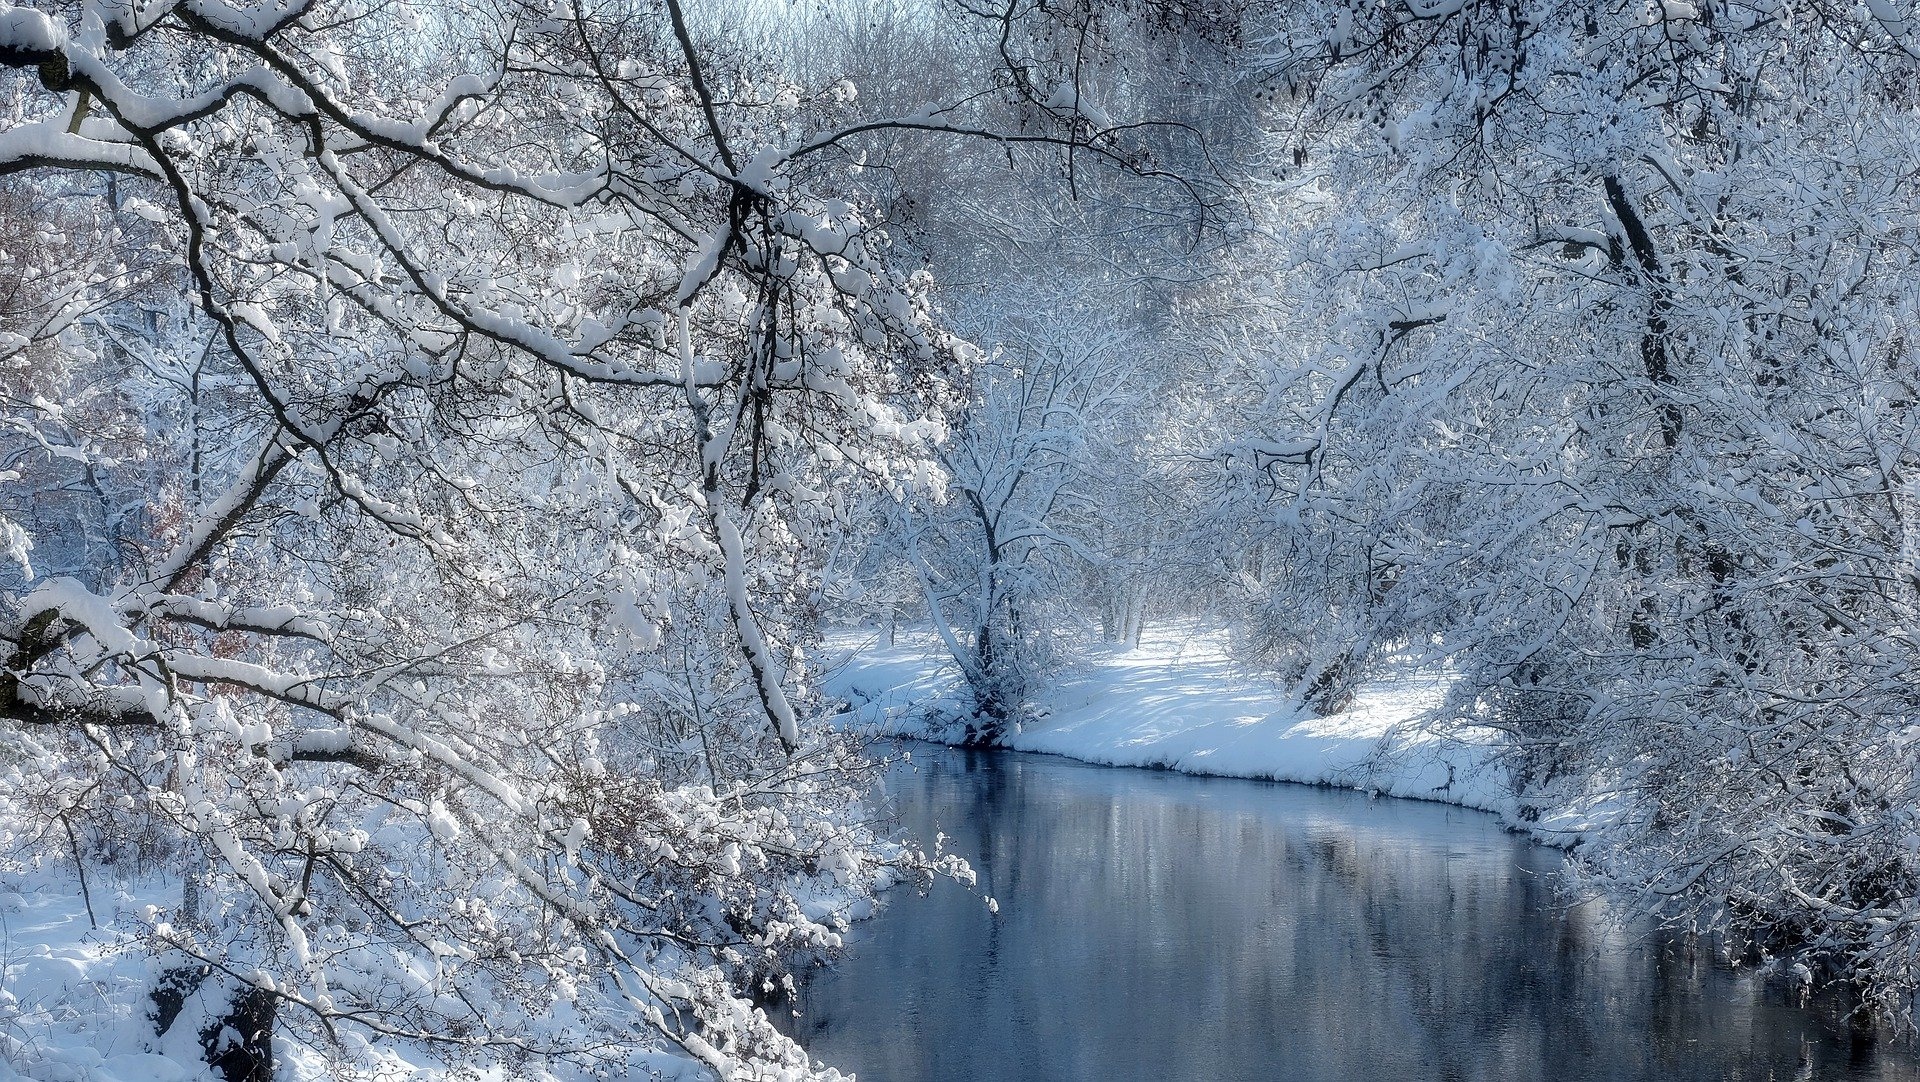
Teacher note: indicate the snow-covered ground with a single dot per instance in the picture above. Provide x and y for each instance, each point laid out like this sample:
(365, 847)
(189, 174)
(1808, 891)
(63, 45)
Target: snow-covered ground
(64, 1013)
(74, 997)
(1178, 702)
(74, 1003)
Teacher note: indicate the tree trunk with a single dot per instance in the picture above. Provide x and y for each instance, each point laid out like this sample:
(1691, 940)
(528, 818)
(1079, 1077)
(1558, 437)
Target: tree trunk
(235, 1023)
(240, 1045)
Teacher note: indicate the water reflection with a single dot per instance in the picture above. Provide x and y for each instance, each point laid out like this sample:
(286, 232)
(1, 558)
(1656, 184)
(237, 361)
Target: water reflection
(1155, 926)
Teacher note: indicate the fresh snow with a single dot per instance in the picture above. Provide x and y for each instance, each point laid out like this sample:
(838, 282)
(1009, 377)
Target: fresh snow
(74, 1000)
(1177, 701)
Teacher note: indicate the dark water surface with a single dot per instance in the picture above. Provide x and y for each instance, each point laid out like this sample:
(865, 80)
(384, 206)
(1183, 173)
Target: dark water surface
(1159, 926)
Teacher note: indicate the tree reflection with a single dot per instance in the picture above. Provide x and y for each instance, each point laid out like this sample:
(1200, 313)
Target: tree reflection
(1158, 926)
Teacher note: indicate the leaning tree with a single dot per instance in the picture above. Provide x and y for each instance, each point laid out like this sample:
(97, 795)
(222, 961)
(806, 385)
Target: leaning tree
(419, 424)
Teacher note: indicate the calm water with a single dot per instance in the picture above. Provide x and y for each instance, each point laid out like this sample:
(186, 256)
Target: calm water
(1157, 926)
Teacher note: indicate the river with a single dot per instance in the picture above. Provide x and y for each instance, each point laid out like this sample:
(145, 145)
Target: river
(1158, 926)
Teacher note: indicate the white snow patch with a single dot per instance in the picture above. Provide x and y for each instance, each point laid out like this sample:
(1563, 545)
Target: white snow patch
(1178, 702)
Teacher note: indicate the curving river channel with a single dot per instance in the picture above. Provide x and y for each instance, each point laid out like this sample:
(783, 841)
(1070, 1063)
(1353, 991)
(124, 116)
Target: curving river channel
(1158, 926)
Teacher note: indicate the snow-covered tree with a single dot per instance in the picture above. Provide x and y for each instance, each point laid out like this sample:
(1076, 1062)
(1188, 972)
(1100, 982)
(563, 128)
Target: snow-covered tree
(428, 424)
(1606, 396)
(997, 551)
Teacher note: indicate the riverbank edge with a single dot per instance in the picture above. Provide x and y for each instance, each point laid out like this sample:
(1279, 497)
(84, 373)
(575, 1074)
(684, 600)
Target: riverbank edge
(1177, 702)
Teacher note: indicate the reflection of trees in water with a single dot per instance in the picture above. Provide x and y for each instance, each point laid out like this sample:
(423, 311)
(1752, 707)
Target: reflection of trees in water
(1158, 926)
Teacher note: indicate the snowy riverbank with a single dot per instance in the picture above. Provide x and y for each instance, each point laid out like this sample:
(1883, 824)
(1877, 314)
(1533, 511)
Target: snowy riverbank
(1178, 702)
